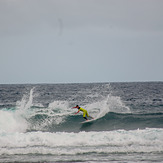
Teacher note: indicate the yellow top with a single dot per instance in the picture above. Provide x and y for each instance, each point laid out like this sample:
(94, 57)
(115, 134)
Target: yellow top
(85, 113)
(81, 109)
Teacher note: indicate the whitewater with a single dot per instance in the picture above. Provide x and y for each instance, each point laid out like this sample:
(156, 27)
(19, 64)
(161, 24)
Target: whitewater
(38, 124)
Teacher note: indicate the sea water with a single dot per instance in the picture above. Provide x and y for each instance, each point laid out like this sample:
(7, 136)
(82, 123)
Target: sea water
(38, 124)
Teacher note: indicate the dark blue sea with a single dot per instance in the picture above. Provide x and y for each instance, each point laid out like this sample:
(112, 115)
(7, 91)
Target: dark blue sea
(38, 124)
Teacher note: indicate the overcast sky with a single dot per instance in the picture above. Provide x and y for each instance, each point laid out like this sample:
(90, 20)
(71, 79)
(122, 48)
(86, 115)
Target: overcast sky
(79, 41)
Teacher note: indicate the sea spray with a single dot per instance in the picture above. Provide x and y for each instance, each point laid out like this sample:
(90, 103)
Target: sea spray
(26, 101)
(108, 104)
(14, 120)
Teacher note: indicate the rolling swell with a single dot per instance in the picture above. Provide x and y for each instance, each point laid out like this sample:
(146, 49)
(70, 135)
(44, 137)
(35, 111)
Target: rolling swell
(111, 121)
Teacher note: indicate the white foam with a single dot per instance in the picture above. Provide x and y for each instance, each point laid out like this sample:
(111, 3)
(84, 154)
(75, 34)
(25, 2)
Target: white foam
(12, 122)
(148, 140)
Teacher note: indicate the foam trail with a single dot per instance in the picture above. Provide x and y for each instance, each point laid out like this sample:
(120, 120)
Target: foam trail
(59, 107)
(55, 114)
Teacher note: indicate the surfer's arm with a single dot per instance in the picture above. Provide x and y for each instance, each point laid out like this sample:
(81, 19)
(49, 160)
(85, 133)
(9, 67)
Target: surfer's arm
(77, 112)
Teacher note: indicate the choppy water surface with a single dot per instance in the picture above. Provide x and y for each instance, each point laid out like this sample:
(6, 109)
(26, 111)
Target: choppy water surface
(37, 122)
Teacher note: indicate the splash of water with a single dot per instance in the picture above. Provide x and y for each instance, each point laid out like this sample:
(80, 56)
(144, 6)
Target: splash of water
(26, 102)
(109, 104)
(15, 120)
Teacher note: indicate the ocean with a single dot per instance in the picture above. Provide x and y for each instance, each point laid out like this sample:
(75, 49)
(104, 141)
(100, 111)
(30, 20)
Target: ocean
(38, 124)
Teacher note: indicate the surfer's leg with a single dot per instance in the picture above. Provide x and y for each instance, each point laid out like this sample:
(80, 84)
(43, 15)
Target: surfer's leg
(84, 113)
(85, 118)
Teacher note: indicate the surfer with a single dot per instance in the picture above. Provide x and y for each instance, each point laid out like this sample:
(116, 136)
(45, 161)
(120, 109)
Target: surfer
(85, 113)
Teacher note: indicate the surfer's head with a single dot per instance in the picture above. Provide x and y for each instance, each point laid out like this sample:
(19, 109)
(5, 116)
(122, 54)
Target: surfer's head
(77, 106)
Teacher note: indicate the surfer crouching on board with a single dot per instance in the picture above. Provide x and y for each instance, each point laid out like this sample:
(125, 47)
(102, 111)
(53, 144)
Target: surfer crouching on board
(85, 113)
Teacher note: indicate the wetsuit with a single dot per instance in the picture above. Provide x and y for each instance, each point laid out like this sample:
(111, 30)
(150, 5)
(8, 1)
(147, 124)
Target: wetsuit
(85, 113)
